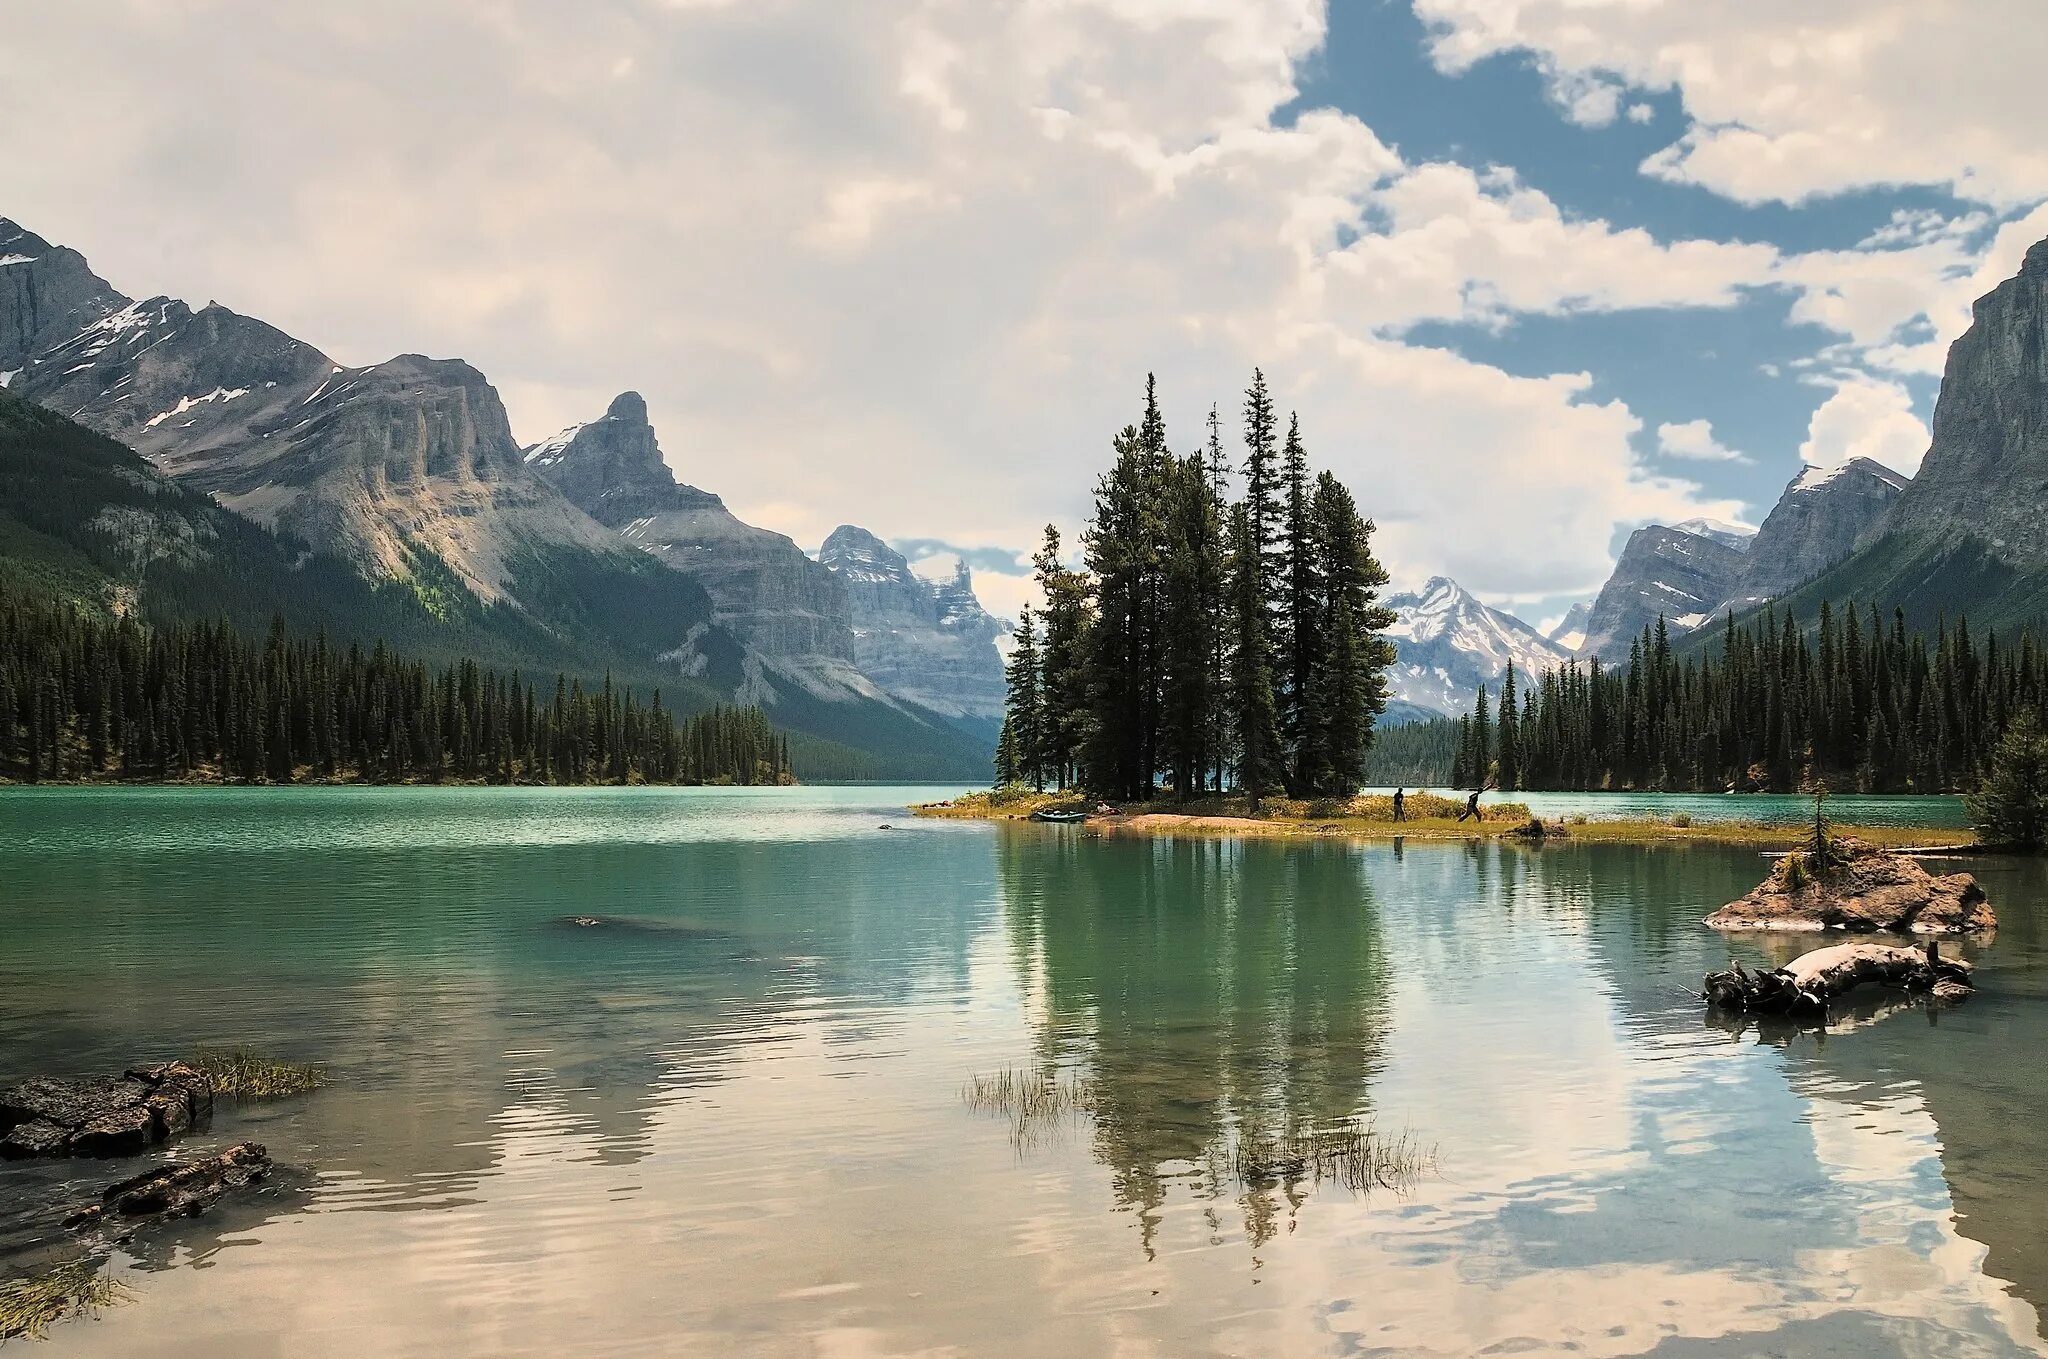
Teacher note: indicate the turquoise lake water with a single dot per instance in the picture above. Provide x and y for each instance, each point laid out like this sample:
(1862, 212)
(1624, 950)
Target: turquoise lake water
(729, 1120)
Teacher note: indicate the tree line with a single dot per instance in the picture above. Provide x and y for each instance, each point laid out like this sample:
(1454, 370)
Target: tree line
(84, 697)
(1204, 643)
(1766, 706)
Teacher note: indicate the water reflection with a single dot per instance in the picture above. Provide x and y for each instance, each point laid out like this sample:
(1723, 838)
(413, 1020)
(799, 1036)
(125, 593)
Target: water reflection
(1216, 992)
(728, 1122)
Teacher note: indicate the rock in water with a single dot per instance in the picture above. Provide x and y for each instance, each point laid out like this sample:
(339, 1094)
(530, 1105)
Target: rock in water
(1871, 891)
(53, 1116)
(177, 1190)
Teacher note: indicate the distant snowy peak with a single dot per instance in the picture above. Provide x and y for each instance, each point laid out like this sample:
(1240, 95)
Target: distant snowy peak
(1570, 631)
(1447, 643)
(1720, 531)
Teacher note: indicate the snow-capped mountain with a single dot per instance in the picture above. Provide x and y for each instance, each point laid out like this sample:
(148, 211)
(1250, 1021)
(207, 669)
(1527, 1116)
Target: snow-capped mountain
(1447, 643)
(1663, 572)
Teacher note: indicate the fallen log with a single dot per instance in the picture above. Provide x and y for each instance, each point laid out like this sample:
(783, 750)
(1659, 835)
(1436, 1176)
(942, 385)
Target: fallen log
(1804, 987)
(182, 1190)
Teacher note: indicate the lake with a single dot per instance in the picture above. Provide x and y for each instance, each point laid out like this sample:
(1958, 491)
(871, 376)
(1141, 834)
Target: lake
(730, 1119)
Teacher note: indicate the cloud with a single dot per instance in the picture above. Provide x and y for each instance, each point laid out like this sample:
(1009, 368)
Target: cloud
(1694, 441)
(1789, 102)
(1865, 418)
(1000, 560)
(902, 264)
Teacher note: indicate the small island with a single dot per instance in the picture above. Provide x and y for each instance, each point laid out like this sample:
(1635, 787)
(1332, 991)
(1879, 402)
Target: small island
(1426, 816)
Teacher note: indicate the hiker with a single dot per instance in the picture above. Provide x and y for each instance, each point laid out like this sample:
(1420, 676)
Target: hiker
(1400, 804)
(1472, 807)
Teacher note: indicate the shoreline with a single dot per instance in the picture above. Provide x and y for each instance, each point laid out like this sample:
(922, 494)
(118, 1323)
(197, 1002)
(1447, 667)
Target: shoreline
(1371, 819)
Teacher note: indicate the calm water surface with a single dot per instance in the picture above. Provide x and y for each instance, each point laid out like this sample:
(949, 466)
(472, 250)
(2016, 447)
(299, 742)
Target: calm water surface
(730, 1122)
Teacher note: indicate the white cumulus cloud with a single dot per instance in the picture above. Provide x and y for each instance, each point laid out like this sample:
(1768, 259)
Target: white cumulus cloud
(1865, 418)
(1694, 441)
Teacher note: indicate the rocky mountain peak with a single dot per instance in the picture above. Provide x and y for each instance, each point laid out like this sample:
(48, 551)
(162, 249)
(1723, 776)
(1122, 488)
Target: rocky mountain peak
(612, 468)
(628, 407)
(1817, 522)
(1664, 572)
(858, 555)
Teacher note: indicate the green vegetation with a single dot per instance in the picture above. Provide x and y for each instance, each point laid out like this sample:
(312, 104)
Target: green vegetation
(2010, 807)
(88, 697)
(237, 1073)
(1766, 706)
(30, 1306)
(1205, 643)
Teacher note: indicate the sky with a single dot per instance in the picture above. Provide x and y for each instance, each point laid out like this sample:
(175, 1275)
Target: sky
(1533, 273)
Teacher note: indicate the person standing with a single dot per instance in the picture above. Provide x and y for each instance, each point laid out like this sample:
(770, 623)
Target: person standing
(1400, 804)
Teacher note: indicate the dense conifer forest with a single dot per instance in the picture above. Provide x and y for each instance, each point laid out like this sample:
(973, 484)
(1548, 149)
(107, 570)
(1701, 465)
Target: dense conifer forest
(1203, 643)
(1858, 701)
(85, 698)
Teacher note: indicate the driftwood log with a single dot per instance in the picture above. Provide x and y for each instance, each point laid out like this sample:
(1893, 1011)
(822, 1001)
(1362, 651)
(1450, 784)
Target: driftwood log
(1804, 987)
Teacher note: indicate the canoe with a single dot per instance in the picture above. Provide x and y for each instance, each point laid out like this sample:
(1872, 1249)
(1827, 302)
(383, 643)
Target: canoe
(1059, 818)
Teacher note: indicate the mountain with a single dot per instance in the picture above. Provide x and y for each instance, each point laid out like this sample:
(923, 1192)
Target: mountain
(86, 518)
(788, 609)
(1447, 643)
(930, 643)
(1817, 522)
(1570, 632)
(1967, 535)
(1663, 572)
(407, 470)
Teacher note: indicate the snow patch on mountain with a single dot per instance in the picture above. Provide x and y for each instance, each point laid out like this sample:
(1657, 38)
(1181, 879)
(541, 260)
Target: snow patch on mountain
(1447, 643)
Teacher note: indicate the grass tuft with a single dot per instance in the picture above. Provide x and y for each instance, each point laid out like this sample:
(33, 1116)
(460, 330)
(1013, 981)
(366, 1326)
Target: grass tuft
(237, 1073)
(30, 1306)
(1350, 1152)
(1035, 1103)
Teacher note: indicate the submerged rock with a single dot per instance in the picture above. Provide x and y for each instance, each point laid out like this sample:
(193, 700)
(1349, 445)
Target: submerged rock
(1868, 891)
(146, 1105)
(184, 1190)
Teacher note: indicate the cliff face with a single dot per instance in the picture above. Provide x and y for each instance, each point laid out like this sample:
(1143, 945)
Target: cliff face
(1816, 523)
(788, 608)
(1664, 573)
(930, 644)
(1986, 470)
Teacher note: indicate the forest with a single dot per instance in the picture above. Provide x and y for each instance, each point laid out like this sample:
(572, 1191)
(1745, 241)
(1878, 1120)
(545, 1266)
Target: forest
(88, 698)
(1856, 701)
(1203, 643)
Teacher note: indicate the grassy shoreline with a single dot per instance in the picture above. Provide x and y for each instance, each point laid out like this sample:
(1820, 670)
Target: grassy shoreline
(1428, 818)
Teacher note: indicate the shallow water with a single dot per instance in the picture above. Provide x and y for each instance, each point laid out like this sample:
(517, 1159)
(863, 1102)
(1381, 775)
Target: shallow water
(729, 1121)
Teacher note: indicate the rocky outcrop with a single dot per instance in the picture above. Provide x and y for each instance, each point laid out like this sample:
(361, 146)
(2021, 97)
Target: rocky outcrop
(1666, 573)
(1447, 643)
(1822, 515)
(930, 643)
(789, 609)
(186, 1189)
(1869, 891)
(147, 1105)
